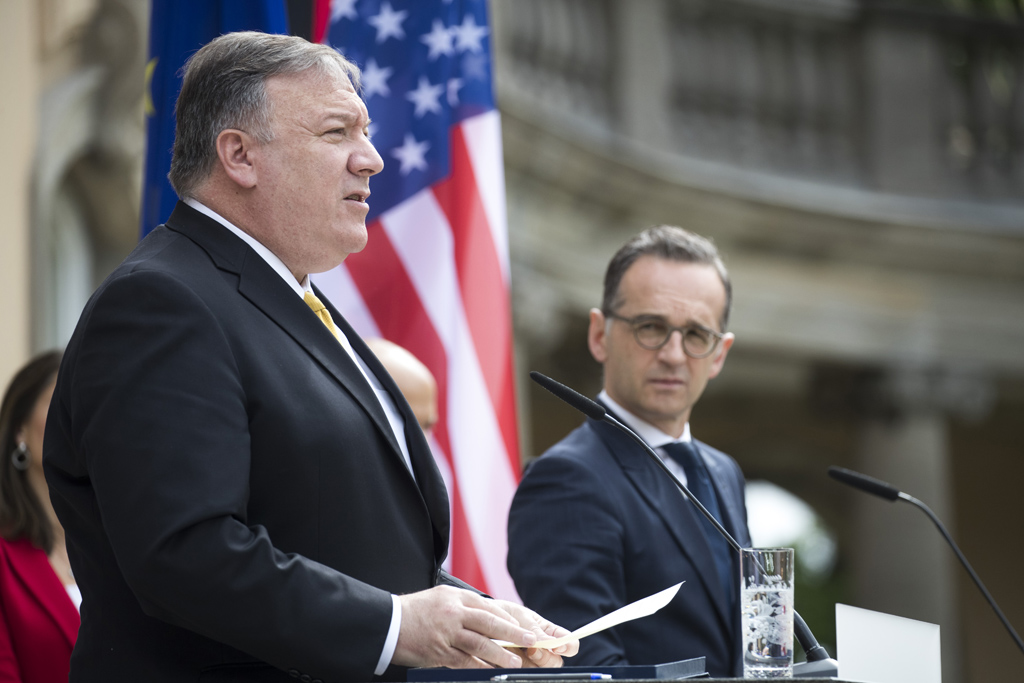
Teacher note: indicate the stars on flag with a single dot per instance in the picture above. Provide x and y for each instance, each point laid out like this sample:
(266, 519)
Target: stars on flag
(468, 35)
(343, 9)
(411, 155)
(425, 67)
(375, 79)
(388, 23)
(439, 40)
(426, 97)
(453, 91)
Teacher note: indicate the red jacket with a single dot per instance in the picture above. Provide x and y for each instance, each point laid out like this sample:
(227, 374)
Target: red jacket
(38, 621)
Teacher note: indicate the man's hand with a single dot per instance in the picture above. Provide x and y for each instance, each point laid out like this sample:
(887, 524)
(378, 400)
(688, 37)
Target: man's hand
(544, 630)
(445, 626)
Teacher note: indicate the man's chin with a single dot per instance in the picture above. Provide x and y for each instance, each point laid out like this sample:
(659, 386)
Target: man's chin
(352, 242)
(661, 414)
(359, 239)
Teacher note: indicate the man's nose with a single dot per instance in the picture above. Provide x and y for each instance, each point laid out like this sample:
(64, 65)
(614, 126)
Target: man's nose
(672, 351)
(365, 160)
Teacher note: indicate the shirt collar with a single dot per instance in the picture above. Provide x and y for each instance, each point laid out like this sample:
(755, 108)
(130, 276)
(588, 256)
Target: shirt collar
(654, 437)
(270, 257)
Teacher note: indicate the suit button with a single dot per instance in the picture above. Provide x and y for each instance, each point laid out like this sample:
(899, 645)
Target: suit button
(306, 678)
(294, 673)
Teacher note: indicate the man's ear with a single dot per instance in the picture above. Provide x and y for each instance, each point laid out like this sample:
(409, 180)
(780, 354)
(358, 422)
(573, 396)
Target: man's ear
(596, 336)
(235, 151)
(720, 353)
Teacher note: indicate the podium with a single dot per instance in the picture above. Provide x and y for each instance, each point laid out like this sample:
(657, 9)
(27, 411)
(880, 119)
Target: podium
(687, 669)
(555, 679)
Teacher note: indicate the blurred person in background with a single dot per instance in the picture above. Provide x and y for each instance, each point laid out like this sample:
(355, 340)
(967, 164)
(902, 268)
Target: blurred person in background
(39, 598)
(624, 531)
(413, 378)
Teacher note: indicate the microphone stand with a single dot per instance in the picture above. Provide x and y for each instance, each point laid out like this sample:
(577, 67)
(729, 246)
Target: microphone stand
(891, 493)
(818, 664)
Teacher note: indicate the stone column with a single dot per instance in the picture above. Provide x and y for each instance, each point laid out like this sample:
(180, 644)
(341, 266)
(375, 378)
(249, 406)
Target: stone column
(901, 563)
(20, 77)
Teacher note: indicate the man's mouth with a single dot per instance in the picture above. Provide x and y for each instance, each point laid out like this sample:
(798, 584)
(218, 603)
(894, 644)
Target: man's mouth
(359, 196)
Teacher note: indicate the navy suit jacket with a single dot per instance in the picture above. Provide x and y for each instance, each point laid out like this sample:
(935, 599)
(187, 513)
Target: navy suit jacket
(235, 501)
(595, 525)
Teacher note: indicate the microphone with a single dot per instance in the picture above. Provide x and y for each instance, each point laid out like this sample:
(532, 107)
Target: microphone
(596, 411)
(892, 494)
(818, 662)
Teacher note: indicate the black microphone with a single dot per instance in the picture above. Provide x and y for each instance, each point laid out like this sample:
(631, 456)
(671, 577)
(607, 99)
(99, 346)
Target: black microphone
(864, 483)
(891, 493)
(818, 661)
(596, 411)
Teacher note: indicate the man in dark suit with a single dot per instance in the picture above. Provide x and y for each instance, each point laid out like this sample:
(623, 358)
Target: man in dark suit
(245, 493)
(595, 524)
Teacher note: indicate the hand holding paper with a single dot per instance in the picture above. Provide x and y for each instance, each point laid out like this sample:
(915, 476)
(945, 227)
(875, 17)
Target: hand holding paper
(545, 631)
(641, 608)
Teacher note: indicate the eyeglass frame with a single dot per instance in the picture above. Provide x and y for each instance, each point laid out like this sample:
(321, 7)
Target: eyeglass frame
(682, 329)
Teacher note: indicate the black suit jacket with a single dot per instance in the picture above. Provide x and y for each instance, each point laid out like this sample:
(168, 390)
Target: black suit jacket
(595, 525)
(235, 502)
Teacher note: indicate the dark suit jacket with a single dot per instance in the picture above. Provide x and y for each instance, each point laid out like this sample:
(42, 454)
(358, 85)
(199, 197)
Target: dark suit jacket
(232, 492)
(595, 525)
(38, 621)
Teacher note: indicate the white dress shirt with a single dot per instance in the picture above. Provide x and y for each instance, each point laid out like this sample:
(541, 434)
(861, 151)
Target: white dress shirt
(654, 437)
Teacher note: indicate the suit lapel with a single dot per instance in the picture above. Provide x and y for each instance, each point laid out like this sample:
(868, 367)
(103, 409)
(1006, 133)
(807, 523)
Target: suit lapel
(676, 512)
(262, 286)
(34, 570)
(431, 485)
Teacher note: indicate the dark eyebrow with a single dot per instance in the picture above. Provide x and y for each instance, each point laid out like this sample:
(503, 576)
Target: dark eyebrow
(654, 317)
(341, 115)
(346, 120)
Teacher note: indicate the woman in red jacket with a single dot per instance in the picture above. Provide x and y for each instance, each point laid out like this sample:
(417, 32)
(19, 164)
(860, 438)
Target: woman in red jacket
(38, 596)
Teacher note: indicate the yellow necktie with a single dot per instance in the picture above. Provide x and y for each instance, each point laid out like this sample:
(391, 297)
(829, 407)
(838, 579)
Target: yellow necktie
(321, 312)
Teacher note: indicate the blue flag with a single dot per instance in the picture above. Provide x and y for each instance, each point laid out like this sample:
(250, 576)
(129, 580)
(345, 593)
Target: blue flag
(177, 29)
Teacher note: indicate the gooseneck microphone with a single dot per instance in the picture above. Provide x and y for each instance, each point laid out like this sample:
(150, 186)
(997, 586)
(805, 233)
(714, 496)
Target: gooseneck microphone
(596, 411)
(892, 494)
(818, 661)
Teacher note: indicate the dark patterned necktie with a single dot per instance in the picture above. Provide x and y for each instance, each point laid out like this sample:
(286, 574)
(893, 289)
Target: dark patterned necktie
(698, 481)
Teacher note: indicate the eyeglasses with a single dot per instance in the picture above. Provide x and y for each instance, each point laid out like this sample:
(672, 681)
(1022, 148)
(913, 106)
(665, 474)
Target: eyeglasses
(653, 333)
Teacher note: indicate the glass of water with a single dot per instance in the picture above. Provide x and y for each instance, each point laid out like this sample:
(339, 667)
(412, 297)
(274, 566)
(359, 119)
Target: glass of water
(766, 598)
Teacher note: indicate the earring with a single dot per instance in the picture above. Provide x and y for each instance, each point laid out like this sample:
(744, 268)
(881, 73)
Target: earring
(20, 456)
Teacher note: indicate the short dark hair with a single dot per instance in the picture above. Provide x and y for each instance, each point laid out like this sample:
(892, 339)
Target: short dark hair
(21, 512)
(224, 87)
(670, 243)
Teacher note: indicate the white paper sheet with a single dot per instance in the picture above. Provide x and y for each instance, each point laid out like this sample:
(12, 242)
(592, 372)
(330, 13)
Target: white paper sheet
(882, 648)
(641, 608)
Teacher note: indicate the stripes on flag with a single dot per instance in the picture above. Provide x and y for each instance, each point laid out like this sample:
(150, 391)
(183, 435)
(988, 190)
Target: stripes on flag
(434, 277)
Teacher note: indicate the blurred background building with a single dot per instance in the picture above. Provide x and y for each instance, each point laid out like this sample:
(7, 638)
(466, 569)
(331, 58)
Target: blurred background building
(860, 165)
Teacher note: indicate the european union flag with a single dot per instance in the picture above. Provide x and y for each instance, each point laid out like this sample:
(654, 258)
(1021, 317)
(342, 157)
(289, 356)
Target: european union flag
(177, 29)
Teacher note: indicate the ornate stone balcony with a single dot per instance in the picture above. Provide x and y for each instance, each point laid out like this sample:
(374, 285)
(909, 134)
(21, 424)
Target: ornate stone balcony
(881, 143)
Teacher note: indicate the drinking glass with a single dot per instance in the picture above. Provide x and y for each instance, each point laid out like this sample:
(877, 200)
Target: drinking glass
(766, 598)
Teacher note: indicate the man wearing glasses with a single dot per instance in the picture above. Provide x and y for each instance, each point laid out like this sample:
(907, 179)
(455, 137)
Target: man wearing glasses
(614, 528)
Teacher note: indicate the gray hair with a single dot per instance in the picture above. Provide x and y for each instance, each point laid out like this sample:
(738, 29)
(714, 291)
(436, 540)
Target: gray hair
(670, 243)
(224, 86)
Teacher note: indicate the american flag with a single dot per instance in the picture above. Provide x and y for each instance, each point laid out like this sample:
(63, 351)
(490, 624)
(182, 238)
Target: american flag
(434, 277)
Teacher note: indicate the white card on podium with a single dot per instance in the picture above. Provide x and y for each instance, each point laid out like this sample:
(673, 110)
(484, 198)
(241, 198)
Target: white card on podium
(882, 648)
